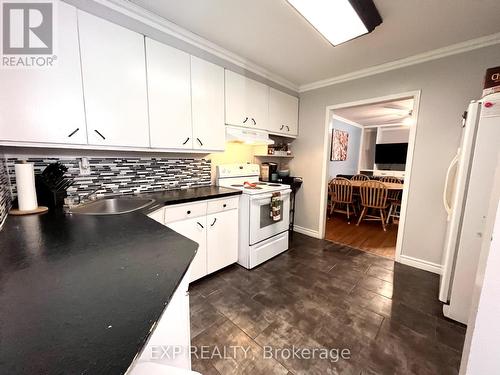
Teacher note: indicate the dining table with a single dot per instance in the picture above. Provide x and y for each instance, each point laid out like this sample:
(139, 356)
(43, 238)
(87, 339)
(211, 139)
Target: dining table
(389, 185)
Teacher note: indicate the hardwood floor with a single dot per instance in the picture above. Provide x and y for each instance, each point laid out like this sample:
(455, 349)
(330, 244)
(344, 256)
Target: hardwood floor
(322, 296)
(369, 236)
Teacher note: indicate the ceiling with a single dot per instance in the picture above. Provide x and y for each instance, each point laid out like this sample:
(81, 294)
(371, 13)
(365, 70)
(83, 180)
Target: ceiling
(383, 113)
(273, 35)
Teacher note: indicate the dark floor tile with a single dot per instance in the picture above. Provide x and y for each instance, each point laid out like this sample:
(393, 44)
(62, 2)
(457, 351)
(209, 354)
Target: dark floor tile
(326, 295)
(204, 367)
(345, 271)
(418, 300)
(241, 354)
(371, 301)
(245, 280)
(281, 337)
(381, 273)
(400, 350)
(379, 286)
(203, 318)
(303, 313)
(196, 300)
(246, 313)
(418, 321)
(451, 334)
(208, 285)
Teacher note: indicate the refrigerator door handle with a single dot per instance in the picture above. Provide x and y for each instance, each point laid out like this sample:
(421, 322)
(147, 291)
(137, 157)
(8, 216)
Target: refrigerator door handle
(447, 205)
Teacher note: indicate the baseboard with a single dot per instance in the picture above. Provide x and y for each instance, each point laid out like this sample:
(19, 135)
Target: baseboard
(306, 231)
(421, 264)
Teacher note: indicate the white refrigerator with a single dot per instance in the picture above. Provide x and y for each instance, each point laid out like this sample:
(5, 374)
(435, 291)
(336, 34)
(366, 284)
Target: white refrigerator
(466, 198)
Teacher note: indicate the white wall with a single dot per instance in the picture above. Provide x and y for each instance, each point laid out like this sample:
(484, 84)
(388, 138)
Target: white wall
(447, 85)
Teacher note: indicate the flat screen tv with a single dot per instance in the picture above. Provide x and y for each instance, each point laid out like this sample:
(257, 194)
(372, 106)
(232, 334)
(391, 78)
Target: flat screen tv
(391, 153)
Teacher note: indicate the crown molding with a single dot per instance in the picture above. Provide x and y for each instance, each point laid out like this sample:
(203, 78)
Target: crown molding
(159, 23)
(452, 49)
(347, 121)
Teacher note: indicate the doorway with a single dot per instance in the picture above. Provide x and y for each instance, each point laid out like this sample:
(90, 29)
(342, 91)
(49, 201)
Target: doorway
(373, 138)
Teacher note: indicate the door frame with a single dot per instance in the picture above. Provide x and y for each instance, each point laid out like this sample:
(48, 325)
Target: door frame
(409, 159)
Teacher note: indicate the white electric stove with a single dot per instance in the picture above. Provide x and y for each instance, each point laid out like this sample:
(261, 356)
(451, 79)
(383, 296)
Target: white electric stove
(261, 237)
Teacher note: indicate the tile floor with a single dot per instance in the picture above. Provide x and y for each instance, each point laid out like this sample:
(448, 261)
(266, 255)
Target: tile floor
(325, 296)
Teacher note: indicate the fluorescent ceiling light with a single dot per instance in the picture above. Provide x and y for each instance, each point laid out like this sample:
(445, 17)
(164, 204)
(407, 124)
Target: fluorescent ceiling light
(337, 20)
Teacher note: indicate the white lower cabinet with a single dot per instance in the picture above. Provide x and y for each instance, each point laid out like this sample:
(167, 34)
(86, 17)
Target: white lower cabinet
(195, 229)
(170, 341)
(222, 239)
(213, 224)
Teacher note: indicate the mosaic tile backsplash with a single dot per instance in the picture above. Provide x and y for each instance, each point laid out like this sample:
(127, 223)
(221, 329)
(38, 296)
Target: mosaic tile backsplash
(125, 175)
(5, 197)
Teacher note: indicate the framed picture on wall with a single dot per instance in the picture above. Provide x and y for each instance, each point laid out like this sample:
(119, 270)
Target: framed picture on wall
(340, 139)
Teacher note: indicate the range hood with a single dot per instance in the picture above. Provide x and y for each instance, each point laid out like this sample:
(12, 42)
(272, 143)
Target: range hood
(247, 136)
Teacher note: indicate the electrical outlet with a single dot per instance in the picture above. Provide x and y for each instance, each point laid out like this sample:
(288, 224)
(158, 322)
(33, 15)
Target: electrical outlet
(84, 165)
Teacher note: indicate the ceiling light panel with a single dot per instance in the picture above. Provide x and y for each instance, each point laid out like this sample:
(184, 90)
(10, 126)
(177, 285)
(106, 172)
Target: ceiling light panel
(336, 20)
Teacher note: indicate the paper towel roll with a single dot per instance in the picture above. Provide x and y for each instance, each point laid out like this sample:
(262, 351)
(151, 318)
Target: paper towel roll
(25, 181)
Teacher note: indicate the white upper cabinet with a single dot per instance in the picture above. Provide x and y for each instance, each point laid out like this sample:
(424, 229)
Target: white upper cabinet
(46, 105)
(247, 102)
(207, 89)
(283, 113)
(114, 83)
(169, 94)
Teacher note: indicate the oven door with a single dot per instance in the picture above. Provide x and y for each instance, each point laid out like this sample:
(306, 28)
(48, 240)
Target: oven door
(262, 225)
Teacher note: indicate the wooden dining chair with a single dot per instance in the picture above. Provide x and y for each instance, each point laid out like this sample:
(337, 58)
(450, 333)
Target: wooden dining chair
(394, 197)
(341, 194)
(355, 194)
(360, 177)
(373, 196)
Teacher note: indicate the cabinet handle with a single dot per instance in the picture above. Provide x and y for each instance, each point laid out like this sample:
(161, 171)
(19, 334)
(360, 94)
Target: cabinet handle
(245, 120)
(103, 137)
(215, 219)
(282, 126)
(201, 143)
(200, 224)
(188, 212)
(224, 205)
(186, 141)
(254, 122)
(287, 128)
(73, 132)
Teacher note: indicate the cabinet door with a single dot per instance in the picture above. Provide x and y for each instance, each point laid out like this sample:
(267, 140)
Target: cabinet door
(114, 83)
(207, 85)
(46, 105)
(195, 229)
(283, 112)
(247, 102)
(169, 94)
(222, 240)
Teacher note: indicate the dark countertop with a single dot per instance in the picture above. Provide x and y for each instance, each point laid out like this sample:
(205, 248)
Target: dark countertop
(79, 294)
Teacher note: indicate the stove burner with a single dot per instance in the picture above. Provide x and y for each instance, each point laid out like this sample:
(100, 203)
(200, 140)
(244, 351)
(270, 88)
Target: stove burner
(273, 185)
(260, 183)
(237, 185)
(253, 187)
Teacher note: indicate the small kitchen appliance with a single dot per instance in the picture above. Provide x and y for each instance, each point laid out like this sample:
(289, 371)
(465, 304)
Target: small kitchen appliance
(263, 234)
(273, 172)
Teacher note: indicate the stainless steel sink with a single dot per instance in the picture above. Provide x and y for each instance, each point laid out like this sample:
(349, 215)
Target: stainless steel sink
(111, 206)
